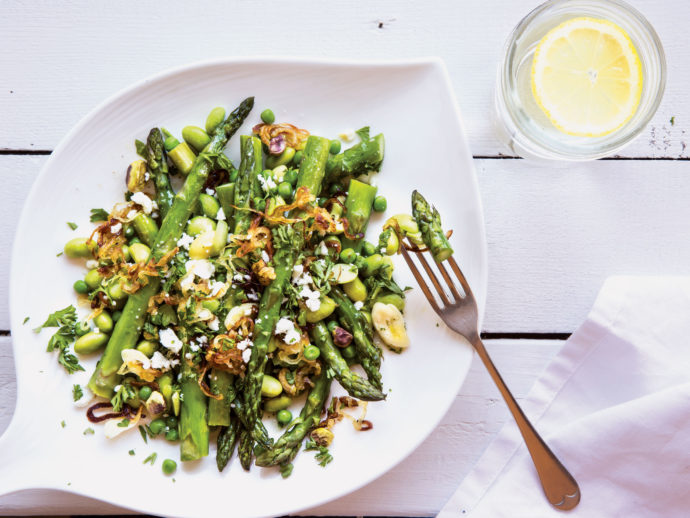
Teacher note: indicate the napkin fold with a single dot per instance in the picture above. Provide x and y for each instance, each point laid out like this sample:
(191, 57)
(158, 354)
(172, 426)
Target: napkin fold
(614, 406)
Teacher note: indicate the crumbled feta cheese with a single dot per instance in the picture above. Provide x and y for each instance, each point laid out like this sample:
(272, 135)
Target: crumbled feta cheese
(91, 264)
(216, 287)
(246, 355)
(189, 356)
(252, 295)
(202, 268)
(185, 241)
(267, 184)
(202, 339)
(187, 282)
(221, 215)
(141, 199)
(147, 176)
(322, 249)
(297, 270)
(131, 214)
(358, 305)
(213, 324)
(264, 256)
(210, 192)
(238, 277)
(303, 279)
(114, 229)
(244, 344)
(169, 340)
(193, 346)
(286, 327)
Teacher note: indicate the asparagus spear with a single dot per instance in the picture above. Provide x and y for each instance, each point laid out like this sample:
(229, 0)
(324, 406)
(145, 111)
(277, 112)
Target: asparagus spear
(358, 205)
(246, 185)
(128, 327)
(226, 197)
(259, 432)
(369, 354)
(193, 426)
(429, 221)
(288, 445)
(158, 165)
(219, 410)
(355, 386)
(245, 451)
(286, 242)
(359, 159)
(226, 442)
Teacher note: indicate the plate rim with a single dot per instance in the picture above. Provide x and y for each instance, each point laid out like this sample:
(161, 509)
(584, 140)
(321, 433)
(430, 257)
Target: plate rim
(433, 62)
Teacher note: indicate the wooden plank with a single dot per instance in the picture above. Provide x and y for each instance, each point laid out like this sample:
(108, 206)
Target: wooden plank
(429, 475)
(60, 62)
(554, 235)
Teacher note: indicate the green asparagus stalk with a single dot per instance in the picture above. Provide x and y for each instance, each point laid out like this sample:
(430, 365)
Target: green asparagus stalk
(226, 197)
(158, 165)
(145, 227)
(429, 221)
(355, 385)
(245, 451)
(227, 437)
(219, 410)
(288, 445)
(358, 206)
(369, 355)
(128, 327)
(193, 425)
(246, 184)
(286, 242)
(360, 159)
(259, 432)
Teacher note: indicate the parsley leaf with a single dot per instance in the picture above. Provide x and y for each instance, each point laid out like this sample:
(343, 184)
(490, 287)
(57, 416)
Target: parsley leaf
(72, 225)
(151, 458)
(63, 337)
(124, 423)
(62, 317)
(142, 431)
(123, 394)
(323, 457)
(63, 424)
(131, 452)
(99, 215)
(89, 431)
(77, 392)
(25, 320)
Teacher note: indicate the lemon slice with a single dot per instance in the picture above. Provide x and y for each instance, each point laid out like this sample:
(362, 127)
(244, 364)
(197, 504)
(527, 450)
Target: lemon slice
(587, 77)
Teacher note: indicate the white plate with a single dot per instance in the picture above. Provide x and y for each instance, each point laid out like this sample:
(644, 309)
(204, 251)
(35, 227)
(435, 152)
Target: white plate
(413, 105)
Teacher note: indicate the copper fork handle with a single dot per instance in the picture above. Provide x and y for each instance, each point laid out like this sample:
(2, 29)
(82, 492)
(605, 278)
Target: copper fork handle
(559, 486)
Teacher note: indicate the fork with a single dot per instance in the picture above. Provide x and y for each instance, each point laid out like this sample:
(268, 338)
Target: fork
(462, 316)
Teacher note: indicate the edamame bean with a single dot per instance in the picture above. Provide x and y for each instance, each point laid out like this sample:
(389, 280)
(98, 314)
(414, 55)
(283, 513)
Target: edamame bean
(387, 267)
(392, 244)
(117, 315)
(103, 322)
(214, 118)
(284, 158)
(202, 246)
(348, 255)
(157, 426)
(140, 252)
(284, 417)
(129, 231)
(172, 435)
(267, 116)
(368, 249)
(147, 347)
(209, 205)
(82, 328)
(146, 228)
(115, 290)
(349, 352)
(211, 304)
(93, 279)
(325, 310)
(169, 466)
(380, 203)
(126, 253)
(335, 147)
(285, 190)
(165, 387)
(220, 238)
(270, 387)
(90, 342)
(199, 225)
(196, 137)
(145, 392)
(134, 240)
(81, 287)
(311, 352)
(372, 264)
(291, 176)
(356, 290)
(79, 247)
(392, 298)
(277, 404)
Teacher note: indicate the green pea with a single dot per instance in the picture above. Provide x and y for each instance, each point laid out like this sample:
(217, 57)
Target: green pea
(196, 137)
(209, 205)
(116, 315)
(392, 298)
(380, 203)
(129, 231)
(172, 435)
(356, 290)
(169, 466)
(322, 201)
(81, 287)
(284, 158)
(215, 117)
(140, 252)
(285, 190)
(277, 404)
(103, 322)
(335, 188)
(134, 241)
(348, 255)
(267, 116)
(368, 249)
(211, 304)
(90, 342)
(259, 204)
(157, 426)
(349, 352)
(82, 328)
(171, 422)
(332, 324)
(145, 392)
(147, 347)
(325, 310)
(284, 417)
(200, 225)
(93, 279)
(291, 176)
(335, 147)
(372, 264)
(297, 159)
(79, 247)
(311, 352)
(115, 290)
(126, 253)
(270, 387)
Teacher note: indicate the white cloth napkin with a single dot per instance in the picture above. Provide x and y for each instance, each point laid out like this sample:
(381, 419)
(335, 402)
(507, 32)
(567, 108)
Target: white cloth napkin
(614, 405)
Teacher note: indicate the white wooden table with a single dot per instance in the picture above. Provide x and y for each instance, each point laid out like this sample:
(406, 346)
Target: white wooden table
(554, 234)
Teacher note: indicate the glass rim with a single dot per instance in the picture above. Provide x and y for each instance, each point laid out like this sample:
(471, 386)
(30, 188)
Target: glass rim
(611, 143)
